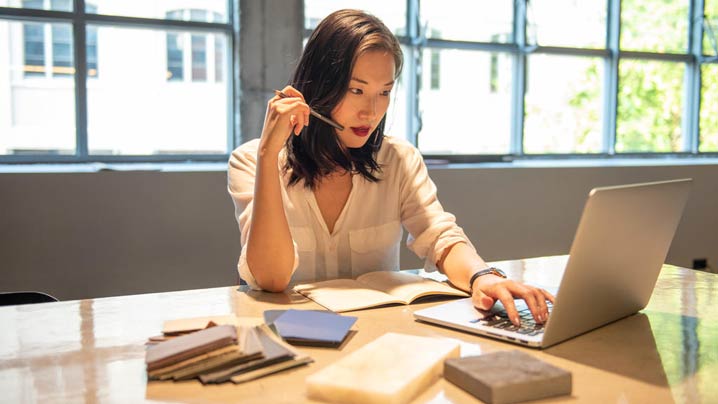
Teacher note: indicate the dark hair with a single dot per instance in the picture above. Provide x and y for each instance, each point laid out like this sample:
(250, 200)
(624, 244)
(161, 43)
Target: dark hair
(323, 76)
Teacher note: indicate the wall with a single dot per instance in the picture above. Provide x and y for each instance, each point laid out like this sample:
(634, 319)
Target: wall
(79, 235)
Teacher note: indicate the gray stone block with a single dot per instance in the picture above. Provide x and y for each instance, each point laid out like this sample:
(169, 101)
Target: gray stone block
(507, 377)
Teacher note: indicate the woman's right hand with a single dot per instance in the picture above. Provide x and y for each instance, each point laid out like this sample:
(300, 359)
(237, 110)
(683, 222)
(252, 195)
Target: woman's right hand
(284, 116)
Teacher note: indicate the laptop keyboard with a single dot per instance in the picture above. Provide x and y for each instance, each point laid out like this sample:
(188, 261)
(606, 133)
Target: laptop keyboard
(528, 325)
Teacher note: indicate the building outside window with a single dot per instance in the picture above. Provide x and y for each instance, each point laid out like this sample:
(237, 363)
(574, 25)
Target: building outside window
(152, 83)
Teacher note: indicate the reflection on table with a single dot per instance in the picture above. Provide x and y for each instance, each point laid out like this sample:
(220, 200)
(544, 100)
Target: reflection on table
(93, 350)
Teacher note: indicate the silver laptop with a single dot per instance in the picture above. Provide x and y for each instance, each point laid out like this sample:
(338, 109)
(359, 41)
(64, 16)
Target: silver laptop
(617, 253)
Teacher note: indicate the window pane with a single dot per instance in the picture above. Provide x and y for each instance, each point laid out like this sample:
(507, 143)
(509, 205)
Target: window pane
(650, 106)
(220, 57)
(133, 108)
(199, 57)
(457, 119)
(709, 106)
(569, 23)
(92, 69)
(55, 5)
(37, 111)
(392, 13)
(34, 49)
(175, 57)
(710, 32)
(62, 53)
(468, 20)
(396, 119)
(654, 25)
(563, 105)
(161, 9)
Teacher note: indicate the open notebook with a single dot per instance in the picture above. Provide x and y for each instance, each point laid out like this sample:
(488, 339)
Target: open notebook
(374, 289)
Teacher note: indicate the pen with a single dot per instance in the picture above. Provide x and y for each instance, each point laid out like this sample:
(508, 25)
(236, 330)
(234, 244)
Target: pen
(313, 112)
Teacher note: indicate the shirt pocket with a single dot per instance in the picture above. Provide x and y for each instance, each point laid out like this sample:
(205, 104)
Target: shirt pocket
(375, 248)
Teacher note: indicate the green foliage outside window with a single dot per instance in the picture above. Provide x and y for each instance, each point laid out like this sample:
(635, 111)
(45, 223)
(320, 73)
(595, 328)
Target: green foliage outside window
(650, 92)
(650, 106)
(709, 109)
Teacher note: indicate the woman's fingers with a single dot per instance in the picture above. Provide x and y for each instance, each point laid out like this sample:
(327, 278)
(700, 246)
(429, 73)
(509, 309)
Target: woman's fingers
(291, 92)
(507, 300)
(507, 290)
(482, 301)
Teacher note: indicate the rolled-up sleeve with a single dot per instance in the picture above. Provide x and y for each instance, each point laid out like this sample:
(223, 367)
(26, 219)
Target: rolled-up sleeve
(241, 173)
(431, 229)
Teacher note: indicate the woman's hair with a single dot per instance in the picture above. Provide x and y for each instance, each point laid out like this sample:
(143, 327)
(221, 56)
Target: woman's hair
(323, 76)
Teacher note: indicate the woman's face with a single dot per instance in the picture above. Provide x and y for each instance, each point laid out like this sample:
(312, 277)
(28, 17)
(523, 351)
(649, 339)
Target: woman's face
(367, 98)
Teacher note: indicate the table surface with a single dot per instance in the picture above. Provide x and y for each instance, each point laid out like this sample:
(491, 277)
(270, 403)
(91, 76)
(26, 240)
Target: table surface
(93, 350)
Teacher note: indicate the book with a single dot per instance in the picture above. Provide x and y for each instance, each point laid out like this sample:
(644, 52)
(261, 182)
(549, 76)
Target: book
(313, 328)
(189, 345)
(507, 377)
(394, 368)
(374, 289)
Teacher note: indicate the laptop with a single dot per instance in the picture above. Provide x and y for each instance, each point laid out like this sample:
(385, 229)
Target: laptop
(617, 253)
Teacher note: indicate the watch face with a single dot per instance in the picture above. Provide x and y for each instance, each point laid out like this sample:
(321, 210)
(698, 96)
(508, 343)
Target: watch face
(500, 272)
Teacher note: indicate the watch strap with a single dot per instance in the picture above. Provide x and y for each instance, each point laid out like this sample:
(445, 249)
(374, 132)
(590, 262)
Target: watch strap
(487, 271)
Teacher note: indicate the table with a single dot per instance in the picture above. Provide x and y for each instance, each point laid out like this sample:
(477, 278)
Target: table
(93, 350)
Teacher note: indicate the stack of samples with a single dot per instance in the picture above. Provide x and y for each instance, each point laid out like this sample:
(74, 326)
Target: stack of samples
(220, 354)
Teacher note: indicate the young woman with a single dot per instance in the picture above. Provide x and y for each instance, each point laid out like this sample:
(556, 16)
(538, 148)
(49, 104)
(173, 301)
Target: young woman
(314, 202)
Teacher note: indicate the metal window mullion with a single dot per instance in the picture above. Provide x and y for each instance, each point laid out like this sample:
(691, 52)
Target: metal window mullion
(80, 62)
(692, 105)
(412, 111)
(516, 143)
(662, 57)
(155, 23)
(610, 81)
(233, 89)
(466, 45)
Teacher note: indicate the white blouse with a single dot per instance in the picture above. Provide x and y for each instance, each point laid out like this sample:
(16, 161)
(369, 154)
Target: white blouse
(368, 232)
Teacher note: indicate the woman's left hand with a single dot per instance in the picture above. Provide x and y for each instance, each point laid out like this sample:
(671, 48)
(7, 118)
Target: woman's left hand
(489, 288)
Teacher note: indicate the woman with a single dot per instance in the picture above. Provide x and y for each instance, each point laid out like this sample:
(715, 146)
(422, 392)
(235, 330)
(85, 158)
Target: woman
(314, 202)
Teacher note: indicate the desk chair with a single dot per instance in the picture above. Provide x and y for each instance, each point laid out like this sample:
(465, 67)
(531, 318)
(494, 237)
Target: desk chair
(15, 298)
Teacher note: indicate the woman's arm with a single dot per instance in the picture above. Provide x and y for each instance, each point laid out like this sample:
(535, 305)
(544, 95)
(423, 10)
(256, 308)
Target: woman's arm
(460, 262)
(436, 236)
(270, 250)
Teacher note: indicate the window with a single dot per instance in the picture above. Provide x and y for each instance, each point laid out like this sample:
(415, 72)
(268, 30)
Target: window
(206, 60)
(506, 79)
(131, 94)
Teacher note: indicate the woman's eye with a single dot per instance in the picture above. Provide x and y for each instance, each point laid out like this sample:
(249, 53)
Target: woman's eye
(356, 91)
(386, 93)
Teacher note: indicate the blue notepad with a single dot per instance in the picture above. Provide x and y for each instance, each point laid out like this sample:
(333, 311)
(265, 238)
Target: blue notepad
(313, 328)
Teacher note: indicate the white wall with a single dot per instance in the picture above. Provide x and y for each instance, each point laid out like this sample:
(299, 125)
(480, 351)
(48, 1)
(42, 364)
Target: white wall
(79, 235)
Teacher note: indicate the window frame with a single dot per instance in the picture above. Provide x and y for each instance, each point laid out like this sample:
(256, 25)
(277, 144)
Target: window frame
(519, 48)
(80, 20)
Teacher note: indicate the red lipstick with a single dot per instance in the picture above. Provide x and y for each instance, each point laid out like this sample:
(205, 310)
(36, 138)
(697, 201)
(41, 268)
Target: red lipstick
(360, 131)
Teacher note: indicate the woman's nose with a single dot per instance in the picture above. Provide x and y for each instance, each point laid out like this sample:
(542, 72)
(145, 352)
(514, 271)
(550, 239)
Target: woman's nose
(368, 108)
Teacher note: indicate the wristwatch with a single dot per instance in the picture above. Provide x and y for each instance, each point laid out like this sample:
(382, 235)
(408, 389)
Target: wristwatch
(487, 271)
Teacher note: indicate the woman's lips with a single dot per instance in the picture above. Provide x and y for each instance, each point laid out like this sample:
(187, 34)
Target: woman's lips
(361, 130)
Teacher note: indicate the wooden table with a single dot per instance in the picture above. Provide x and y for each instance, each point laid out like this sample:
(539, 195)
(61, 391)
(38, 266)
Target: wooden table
(93, 350)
